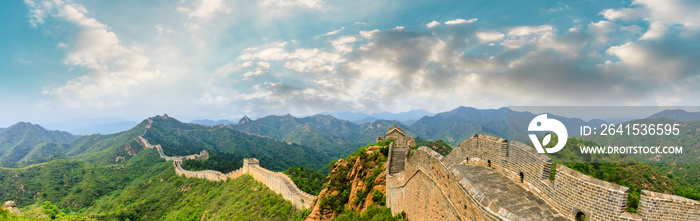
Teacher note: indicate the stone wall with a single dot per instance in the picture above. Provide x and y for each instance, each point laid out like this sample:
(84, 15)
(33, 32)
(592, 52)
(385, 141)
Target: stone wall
(282, 184)
(277, 182)
(571, 193)
(659, 206)
(427, 190)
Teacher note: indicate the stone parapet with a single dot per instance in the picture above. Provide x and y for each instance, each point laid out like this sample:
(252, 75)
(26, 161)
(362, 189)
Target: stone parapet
(571, 193)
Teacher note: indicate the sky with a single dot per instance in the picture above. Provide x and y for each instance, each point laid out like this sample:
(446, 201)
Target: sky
(216, 59)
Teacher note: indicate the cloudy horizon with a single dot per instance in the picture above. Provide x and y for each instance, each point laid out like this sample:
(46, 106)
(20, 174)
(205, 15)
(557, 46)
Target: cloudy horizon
(218, 59)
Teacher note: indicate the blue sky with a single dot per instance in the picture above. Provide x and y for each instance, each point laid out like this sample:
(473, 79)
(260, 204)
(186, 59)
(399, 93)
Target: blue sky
(222, 59)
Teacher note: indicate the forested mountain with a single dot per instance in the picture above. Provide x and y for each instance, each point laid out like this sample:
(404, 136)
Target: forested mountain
(178, 139)
(26, 143)
(678, 114)
(115, 177)
(144, 187)
(325, 134)
(682, 165)
(208, 122)
(407, 117)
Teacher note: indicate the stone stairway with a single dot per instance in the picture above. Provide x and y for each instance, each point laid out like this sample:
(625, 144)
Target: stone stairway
(398, 160)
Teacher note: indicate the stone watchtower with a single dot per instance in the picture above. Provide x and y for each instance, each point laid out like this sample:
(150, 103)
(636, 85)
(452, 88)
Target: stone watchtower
(203, 155)
(400, 139)
(249, 163)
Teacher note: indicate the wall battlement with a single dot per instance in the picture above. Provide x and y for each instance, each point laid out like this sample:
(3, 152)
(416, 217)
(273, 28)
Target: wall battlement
(571, 194)
(276, 181)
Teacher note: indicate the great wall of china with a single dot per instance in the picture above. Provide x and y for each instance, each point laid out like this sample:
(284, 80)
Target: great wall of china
(489, 178)
(483, 178)
(277, 182)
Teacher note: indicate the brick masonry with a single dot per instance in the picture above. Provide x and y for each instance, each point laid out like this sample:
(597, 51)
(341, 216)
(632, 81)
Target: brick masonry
(571, 193)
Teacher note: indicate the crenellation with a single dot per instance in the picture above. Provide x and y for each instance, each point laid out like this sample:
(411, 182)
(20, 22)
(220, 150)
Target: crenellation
(571, 193)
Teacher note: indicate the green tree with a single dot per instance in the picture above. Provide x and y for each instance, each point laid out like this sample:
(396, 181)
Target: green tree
(50, 210)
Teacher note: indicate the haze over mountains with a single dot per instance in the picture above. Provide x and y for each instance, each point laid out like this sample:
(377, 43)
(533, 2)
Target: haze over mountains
(280, 142)
(24, 143)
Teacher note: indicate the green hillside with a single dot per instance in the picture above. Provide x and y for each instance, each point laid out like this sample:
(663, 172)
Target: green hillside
(142, 188)
(73, 184)
(25, 143)
(167, 196)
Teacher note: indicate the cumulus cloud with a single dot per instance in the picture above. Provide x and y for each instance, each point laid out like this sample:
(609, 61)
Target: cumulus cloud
(311, 60)
(433, 24)
(344, 44)
(117, 68)
(489, 36)
(660, 15)
(631, 57)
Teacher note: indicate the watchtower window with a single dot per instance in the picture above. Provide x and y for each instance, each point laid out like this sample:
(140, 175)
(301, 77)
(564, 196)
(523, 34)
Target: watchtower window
(580, 216)
(489, 162)
(467, 160)
(522, 177)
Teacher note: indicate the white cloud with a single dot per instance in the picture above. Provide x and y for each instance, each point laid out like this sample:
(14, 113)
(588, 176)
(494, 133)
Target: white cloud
(460, 21)
(334, 32)
(433, 24)
(660, 15)
(117, 68)
(37, 12)
(369, 34)
(343, 44)
(529, 30)
(624, 14)
(656, 31)
(262, 68)
(520, 36)
(489, 36)
(302, 60)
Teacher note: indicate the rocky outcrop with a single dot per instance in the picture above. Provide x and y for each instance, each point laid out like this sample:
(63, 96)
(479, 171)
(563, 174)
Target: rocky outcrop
(12, 207)
(365, 176)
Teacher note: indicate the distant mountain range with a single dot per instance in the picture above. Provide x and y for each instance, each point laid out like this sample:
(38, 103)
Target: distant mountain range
(87, 126)
(679, 115)
(408, 117)
(211, 122)
(326, 135)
